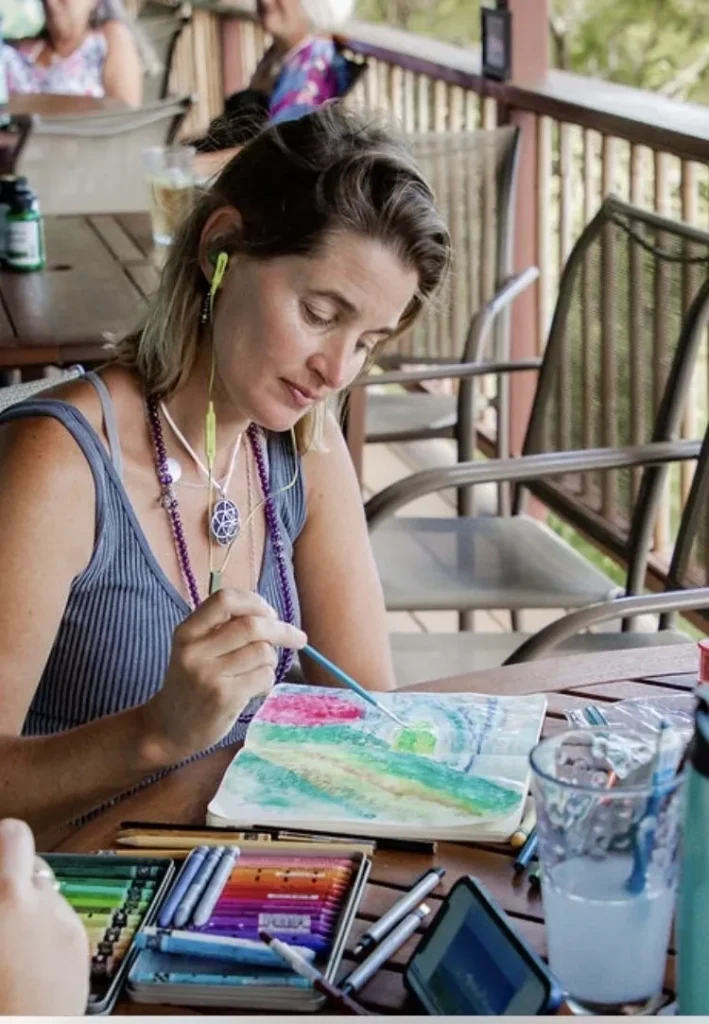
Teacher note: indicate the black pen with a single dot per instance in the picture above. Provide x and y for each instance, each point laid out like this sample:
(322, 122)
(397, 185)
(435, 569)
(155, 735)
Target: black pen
(527, 852)
(423, 885)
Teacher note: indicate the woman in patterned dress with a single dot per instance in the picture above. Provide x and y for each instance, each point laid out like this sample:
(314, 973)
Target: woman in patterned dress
(72, 57)
(301, 70)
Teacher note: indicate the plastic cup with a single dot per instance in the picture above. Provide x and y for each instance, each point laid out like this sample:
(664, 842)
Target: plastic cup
(608, 824)
(171, 179)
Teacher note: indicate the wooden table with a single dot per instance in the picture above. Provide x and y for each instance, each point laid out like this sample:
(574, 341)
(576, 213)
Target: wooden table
(100, 272)
(568, 682)
(42, 104)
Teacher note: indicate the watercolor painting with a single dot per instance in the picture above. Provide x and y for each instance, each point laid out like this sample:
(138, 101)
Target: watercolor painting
(321, 757)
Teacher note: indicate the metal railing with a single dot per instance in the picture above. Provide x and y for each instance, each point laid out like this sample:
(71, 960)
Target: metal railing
(590, 139)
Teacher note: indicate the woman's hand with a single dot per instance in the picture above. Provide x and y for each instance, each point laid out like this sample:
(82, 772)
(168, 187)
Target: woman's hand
(223, 655)
(44, 949)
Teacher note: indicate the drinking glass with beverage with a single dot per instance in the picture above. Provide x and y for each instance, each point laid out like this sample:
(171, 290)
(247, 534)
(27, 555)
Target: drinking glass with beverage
(608, 824)
(171, 179)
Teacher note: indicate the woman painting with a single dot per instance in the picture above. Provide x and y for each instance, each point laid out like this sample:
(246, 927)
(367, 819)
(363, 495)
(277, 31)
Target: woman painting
(206, 451)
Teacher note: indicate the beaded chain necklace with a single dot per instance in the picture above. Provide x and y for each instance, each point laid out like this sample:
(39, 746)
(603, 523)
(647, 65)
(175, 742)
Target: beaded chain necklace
(168, 499)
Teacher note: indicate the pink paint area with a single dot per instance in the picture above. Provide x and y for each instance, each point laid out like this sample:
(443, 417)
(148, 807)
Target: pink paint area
(292, 709)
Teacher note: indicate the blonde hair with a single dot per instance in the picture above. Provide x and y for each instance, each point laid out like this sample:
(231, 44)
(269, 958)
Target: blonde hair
(293, 185)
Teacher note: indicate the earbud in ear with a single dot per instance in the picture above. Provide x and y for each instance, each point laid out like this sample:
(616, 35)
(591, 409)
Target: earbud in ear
(220, 262)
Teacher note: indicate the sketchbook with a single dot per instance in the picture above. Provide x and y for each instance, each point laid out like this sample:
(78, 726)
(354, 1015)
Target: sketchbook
(317, 757)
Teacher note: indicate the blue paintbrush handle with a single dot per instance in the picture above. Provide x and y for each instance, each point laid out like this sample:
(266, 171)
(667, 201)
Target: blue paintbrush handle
(337, 672)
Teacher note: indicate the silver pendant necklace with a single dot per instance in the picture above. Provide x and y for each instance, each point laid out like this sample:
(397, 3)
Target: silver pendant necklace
(223, 517)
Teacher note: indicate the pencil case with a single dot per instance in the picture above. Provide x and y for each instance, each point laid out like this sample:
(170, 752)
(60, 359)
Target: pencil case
(115, 897)
(157, 977)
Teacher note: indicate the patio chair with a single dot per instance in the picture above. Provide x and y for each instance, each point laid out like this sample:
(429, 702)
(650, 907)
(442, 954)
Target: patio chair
(11, 394)
(474, 177)
(93, 163)
(686, 589)
(159, 26)
(13, 138)
(422, 656)
(628, 269)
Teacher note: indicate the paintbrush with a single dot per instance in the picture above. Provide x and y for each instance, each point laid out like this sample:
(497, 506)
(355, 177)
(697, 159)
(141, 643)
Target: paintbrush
(338, 673)
(319, 982)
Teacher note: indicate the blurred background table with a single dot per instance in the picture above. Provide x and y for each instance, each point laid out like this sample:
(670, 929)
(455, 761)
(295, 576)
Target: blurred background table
(60, 105)
(100, 272)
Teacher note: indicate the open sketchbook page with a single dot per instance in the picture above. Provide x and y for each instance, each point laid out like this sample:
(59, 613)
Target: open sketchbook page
(319, 757)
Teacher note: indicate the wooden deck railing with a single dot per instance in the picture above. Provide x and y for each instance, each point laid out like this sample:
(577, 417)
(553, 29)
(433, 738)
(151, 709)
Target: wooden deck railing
(591, 138)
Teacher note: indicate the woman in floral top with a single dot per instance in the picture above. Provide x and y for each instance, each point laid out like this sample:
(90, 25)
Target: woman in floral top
(300, 71)
(73, 57)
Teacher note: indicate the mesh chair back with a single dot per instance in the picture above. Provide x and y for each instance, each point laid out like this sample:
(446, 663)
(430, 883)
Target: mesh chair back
(93, 163)
(628, 323)
(14, 393)
(690, 560)
(158, 27)
(473, 175)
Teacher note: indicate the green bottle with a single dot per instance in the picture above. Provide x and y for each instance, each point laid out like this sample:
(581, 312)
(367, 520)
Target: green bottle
(24, 231)
(8, 183)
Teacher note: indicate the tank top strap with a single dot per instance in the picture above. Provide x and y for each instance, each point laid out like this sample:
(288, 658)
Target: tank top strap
(285, 472)
(110, 421)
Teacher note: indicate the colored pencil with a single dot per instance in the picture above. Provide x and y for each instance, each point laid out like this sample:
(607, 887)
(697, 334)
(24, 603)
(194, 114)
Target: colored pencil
(521, 834)
(178, 847)
(278, 834)
(181, 885)
(104, 887)
(188, 943)
(189, 901)
(213, 889)
(106, 870)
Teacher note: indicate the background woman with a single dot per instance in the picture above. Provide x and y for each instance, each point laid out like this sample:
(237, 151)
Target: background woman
(74, 56)
(316, 244)
(301, 70)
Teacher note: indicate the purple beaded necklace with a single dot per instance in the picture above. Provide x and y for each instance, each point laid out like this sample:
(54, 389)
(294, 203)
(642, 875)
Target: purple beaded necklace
(168, 500)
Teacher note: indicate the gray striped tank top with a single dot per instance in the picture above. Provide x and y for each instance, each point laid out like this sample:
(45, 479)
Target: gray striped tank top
(114, 640)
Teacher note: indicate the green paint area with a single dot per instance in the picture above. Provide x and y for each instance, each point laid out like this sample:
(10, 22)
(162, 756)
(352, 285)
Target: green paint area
(277, 787)
(380, 775)
(263, 734)
(418, 739)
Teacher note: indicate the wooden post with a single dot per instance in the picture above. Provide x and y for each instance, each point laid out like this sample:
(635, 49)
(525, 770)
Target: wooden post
(530, 63)
(235, 75)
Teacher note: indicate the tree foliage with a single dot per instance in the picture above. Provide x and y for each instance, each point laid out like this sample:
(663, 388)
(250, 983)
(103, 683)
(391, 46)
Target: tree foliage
(661, 45)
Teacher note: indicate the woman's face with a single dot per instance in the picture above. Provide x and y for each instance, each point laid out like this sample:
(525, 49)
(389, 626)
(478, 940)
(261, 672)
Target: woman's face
(291, 331)
(69, 17)
(283, 19)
